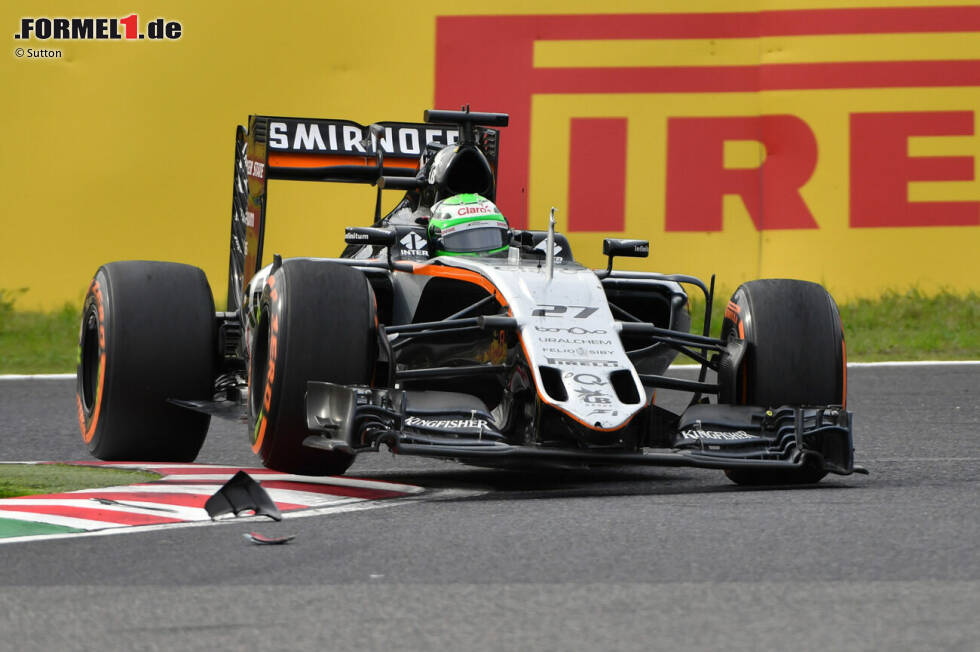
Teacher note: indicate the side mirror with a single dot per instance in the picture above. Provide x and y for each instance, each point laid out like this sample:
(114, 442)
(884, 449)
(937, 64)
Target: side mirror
(628, 248)
(613, 247)
(400, 183)
(365, 235)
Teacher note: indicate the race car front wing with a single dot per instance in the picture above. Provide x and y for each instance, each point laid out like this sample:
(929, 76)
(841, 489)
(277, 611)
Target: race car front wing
(710, 436)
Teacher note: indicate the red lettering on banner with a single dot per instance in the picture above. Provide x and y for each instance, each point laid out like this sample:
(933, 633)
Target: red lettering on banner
(597, 174)
(508, 80)
(697, 178)
(881, 169)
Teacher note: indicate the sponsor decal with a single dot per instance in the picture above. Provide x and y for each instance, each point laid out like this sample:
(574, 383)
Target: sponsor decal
(543, 246)
(343, 137)
(447, 424)
(249, 219)
(572, 340)
(604, 411)
(593, 396)
(574, 330)
(255, 168)
(549, 310)
(579, 351)
(586, 379)
(582, 363)
(475, 210)
(414, 244)
(738, 435)
(97, 29)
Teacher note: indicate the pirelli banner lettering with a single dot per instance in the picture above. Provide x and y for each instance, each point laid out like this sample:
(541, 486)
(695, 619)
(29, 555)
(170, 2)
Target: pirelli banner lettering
(837, 145)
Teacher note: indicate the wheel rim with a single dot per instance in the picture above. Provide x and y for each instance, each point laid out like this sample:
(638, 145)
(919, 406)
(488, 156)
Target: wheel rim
(258, 365)
(90, 360)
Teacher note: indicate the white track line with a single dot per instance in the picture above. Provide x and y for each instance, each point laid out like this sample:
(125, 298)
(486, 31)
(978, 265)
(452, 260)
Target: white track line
(310, 499)
(165, 510)
(889, 363)
(916, 363)
(922, 459)
(895, 363)
(37, 376)
(158, 488)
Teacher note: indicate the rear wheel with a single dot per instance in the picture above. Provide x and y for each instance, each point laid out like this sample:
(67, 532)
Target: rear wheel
(794, 356)
(147, 336)
(316, 322)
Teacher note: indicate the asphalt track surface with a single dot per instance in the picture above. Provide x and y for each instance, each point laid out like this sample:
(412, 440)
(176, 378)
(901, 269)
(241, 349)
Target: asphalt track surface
(618, 559)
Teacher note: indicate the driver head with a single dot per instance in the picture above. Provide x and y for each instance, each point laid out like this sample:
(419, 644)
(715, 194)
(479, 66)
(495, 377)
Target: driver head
(468, 224)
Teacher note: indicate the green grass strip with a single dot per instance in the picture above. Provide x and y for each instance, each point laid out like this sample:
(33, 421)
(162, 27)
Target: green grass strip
(913, 326)
(908, 325)
(37, 342)
(32, 479)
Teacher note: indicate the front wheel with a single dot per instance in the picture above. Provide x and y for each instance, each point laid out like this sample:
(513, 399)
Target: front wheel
(316, 322)
(147, 336)
(795, 355)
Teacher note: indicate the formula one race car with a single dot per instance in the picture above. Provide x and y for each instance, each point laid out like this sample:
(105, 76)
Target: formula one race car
(442, 332)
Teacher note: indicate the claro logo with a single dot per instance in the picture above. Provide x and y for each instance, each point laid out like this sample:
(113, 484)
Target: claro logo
(715, 82)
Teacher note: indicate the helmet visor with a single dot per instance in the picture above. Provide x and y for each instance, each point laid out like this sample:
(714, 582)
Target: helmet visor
(474, 238)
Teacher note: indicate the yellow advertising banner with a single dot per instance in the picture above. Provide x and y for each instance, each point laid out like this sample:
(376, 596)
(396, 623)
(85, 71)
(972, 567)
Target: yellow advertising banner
(813, 140)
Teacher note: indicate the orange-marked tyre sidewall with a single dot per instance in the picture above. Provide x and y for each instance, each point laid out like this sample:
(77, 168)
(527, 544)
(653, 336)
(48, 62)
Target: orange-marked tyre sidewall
(734, 328)
(316, 323)
(749, 316)
(147, 336)
(92, 362)
(262, 369)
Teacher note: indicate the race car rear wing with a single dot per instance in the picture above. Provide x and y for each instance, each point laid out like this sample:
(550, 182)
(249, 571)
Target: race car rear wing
(301, 149)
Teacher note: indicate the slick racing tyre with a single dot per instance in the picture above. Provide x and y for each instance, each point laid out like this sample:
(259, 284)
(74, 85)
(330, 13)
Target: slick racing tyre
(316, 322)
(794, 356)
(147, 335)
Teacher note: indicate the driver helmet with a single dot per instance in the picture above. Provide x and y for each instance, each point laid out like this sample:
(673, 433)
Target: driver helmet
(468, 224)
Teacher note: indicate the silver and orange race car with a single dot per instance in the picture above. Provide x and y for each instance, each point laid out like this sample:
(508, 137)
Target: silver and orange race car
(442, 332)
